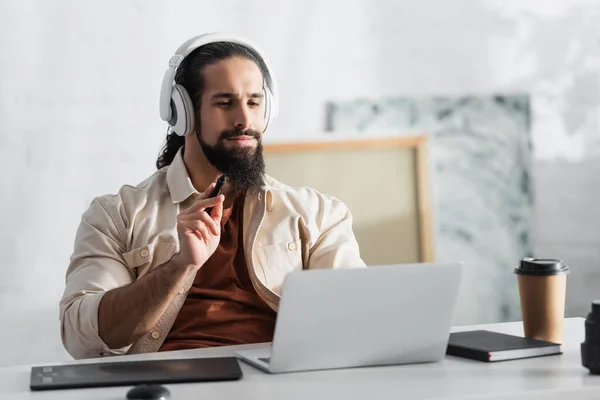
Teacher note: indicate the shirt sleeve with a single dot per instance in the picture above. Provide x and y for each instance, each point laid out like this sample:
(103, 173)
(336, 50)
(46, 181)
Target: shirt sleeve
(336, 246)
(96, 266)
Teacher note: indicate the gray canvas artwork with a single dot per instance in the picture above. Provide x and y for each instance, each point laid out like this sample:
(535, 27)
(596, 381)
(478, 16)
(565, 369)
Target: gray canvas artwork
(480, 160)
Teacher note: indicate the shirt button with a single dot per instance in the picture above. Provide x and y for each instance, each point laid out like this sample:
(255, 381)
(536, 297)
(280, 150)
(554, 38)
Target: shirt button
(144, 253)
(291, 246)
(155, 335)
(181, 290)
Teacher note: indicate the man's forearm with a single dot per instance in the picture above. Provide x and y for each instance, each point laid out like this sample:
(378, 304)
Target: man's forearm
(127, 313)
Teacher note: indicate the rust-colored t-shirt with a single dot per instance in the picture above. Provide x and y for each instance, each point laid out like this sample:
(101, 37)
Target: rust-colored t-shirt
(222, 306)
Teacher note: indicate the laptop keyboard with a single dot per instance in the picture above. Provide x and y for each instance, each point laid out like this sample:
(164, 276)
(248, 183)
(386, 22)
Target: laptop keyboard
(265, 359)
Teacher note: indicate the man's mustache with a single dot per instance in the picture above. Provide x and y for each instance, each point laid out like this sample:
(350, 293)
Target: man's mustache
(233, 133)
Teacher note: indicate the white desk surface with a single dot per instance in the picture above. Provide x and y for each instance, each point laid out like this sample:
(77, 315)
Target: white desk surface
(551, 377)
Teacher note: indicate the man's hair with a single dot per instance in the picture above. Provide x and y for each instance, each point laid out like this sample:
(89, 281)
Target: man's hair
(190, 76)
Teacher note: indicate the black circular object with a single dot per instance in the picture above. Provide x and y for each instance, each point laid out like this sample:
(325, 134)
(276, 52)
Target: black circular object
(590, 348)
(148, 392)
(541, 267)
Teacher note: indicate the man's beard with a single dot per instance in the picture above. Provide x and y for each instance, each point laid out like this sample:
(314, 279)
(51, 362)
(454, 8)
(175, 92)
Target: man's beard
(244, 166)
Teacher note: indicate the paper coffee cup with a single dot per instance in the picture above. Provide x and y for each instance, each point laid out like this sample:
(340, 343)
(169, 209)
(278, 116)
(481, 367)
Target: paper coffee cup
(542, 293)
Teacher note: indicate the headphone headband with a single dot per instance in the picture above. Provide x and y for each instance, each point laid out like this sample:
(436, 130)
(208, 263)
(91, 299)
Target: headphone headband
(190, 45)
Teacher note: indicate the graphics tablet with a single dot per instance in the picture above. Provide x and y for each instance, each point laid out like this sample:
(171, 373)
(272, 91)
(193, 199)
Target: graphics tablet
(74, 376)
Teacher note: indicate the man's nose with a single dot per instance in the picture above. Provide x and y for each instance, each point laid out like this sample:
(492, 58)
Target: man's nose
(242, 118)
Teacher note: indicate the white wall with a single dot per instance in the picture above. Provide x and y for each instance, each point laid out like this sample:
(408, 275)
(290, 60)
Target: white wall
(79, 84)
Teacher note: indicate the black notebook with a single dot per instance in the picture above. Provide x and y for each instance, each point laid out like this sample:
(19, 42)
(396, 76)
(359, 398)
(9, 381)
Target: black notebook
(491, 346)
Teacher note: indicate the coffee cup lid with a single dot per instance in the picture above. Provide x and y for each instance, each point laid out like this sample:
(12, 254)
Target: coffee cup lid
(541, 267)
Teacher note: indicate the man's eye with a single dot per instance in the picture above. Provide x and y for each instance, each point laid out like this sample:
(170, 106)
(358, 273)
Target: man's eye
(254, 104)
(224, 103)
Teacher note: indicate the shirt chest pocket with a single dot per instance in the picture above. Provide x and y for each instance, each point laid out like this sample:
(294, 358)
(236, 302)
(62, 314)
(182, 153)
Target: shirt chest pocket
(145, 258)
(279, 259)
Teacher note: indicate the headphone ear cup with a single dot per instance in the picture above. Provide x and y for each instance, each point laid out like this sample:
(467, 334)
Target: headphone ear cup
(182, 120)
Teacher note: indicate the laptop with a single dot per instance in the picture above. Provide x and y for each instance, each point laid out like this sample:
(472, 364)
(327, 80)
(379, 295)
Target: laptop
(361, 317)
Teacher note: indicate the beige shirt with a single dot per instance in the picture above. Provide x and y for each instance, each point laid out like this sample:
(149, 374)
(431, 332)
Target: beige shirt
(123, 236)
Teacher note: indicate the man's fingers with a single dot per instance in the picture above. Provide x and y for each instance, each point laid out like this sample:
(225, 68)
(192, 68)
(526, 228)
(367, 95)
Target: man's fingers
(201, 204)
(202, 216)
(200, 196)
(212, 225)
(207, 191)
(217, 211)
(196, 226)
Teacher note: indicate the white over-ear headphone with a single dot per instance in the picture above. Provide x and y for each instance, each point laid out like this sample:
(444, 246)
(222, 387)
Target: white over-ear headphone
(175, 103)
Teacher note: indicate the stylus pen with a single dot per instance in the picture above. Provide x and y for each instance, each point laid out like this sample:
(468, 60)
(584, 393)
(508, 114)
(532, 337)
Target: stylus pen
(217, 190)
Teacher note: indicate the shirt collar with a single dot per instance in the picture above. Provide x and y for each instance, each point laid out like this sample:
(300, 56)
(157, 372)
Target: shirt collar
(178, 179)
